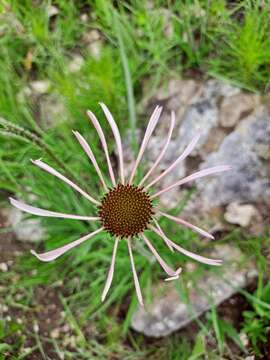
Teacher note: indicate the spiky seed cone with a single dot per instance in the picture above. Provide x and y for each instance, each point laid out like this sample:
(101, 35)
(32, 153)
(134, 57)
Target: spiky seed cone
(125, 211)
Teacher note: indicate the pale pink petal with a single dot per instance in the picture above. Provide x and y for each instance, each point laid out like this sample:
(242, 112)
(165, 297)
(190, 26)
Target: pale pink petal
(175, 277)
(186, 152)
(199, 258)
(101, 135)
(159, 228)
(41, 212)
(162, 263)
(117, 137)
(91, 156)
(52, 171)
(149, 130)
(54, 254)
(135, 276)
(187, 224)
(199, 174)
(111, 271)
(162, 151)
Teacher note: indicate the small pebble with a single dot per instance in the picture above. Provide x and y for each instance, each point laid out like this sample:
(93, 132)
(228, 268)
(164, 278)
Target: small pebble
(3, 308)
(75, 64)
(36, 328)
(84, 18)
(52, 11)
(40, 86)
(244, 339)
(55, 333)
(3, 267)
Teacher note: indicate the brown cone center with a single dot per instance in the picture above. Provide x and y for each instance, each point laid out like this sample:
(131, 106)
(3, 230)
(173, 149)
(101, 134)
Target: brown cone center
(125, 211)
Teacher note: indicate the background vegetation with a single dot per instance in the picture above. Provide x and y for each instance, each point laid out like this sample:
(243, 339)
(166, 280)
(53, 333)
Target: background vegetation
(141, 41)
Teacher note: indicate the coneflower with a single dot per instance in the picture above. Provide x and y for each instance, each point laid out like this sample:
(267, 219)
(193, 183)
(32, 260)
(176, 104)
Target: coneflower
(126, 210)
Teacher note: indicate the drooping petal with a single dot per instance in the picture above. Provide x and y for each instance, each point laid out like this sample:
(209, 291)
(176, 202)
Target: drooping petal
(117, 137)
(54, 172)
(101, 135)
(162, 263)
(42, 212)
(175, 277)
(186, 152)
(149, 130)
(162, 151)
(89, 152)
(187, 224)
(135, 276)
(54, 254)
(159, 228)
(111, 271)
(196, 175)
(190, 254)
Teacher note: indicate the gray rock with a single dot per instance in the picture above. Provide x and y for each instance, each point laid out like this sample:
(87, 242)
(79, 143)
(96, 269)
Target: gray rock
(234, 107)
(197, 110)
(240, 214)
(196, 106)
(235, 130)
(201, 117)
(169, 313)
(26, 230)
(249, 179)
(204, 111)
(234, 127)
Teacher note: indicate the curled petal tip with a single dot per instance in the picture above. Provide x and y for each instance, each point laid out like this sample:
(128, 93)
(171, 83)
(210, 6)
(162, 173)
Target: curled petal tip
(11, 200)
(35, 161)
(89, 113)
(175, 276)
(219, 262)
(171, 278)
(34, 253)
(41, 258)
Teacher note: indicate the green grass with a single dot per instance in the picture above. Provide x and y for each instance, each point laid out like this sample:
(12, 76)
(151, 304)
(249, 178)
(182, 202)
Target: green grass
(213, 38)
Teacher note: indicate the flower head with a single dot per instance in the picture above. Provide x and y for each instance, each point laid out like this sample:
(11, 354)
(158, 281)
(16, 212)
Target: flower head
(126, 210)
